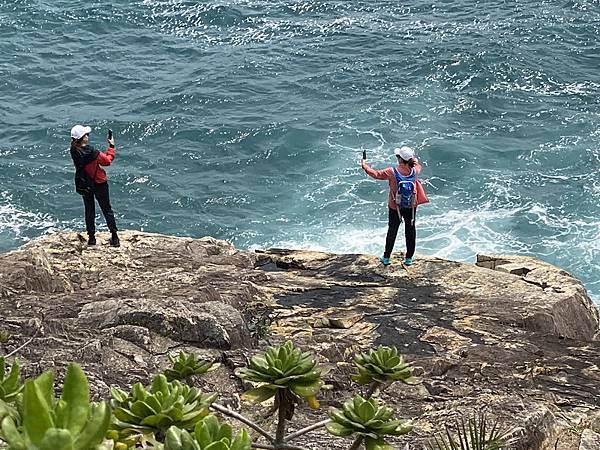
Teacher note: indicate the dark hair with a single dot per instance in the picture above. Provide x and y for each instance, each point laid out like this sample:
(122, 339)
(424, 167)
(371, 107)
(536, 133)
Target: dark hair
(410, 162)
(80, 140)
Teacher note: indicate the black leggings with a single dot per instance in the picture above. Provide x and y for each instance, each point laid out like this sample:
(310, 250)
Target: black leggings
(101, 194)
(410, 232)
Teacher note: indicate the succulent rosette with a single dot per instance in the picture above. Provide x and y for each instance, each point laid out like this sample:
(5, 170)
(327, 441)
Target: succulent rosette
(283, 368)
(185, 365)
(382, 365)
(367, 419)
(154, 410)
(208, 434)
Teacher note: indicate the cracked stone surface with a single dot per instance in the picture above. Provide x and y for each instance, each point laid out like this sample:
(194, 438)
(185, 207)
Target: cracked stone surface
(511, 335)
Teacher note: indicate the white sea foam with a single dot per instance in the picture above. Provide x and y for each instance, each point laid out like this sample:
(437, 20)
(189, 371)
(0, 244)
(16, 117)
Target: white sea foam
(461, 234)
(20, 223)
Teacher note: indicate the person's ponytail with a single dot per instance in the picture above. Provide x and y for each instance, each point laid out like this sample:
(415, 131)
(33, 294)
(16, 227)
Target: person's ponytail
(411, 162)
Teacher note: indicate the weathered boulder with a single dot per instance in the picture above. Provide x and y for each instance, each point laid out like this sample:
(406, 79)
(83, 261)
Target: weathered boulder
(561, 305)
(31, 271)
(209, 324)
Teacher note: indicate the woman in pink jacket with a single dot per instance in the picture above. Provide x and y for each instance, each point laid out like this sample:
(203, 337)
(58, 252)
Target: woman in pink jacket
(406, 163)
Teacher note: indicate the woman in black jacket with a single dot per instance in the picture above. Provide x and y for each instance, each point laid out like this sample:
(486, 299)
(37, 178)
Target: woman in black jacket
(91, 181)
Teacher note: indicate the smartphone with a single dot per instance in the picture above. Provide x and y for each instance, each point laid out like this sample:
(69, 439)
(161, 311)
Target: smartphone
(110, 134)
(364, 154)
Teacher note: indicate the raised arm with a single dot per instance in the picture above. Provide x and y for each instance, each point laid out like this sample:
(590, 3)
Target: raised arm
(105, 158)
(377, 174)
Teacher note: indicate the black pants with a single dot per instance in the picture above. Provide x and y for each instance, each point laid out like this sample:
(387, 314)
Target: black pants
(101, 194)
(410, 232)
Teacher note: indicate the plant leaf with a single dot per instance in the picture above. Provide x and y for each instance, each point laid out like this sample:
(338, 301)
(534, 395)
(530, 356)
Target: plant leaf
(173, 436)
(45, 383)
(57, 439)
(338, 429)
(76, 395)
(219, 445)
(118, 394)
(37, 418)
(377, 444)
(12, 435)
(242, 441)
(95, 428)
(307, 390)
(11, 382)
(259, 394)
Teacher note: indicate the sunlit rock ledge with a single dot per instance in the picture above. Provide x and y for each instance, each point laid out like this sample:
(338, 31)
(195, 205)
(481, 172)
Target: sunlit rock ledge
(510, 334)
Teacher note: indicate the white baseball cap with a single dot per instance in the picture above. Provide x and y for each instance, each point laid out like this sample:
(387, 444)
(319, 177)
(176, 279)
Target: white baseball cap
(404, 152)
(78, 131)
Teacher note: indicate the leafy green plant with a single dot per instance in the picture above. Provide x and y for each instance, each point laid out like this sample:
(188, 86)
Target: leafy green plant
(367, 419)
(382, 365)
(7, 410)
(259, 321)
(4, 336)
(69, 423)
(478, 433)
(165, 404)
(208, 434)
(286, 373)
(283, 368)
(10, 385)
(185, 365)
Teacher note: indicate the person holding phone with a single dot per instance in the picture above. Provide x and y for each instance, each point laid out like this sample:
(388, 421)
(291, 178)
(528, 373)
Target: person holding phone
(407, 166)
(91, 180)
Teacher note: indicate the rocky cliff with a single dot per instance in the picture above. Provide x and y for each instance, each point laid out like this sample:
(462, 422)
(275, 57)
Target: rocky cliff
(511, 335)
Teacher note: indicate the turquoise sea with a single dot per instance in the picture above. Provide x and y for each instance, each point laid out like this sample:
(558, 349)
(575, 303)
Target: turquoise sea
(245, 120)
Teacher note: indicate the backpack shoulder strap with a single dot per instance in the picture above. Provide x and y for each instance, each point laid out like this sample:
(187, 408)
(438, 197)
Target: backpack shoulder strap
(404, 178)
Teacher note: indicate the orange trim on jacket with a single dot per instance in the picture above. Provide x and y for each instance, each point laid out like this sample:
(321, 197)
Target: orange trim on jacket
(388, 174)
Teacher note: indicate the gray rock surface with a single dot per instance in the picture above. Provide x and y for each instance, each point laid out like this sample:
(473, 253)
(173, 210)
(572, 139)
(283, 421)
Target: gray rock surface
(513, 336)
(590, 440)
(209, 324)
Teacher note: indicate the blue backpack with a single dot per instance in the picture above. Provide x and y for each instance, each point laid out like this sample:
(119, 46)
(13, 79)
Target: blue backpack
(406, 196)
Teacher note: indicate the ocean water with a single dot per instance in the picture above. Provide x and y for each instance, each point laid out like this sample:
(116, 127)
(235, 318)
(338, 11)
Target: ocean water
(245, 120)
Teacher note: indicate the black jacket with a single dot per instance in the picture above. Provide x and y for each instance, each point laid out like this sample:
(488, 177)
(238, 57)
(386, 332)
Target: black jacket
(83, 156)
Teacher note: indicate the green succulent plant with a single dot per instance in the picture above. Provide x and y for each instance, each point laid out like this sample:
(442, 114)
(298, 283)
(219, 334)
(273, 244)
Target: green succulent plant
(10, 385)
(187, 364)
(7, 410)
(284, 368)
(4, 336)
(68, 423)
(367, 419)
(478, 433)
(259, 321)
(154, 410)
(382, 365)
(208, 434)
